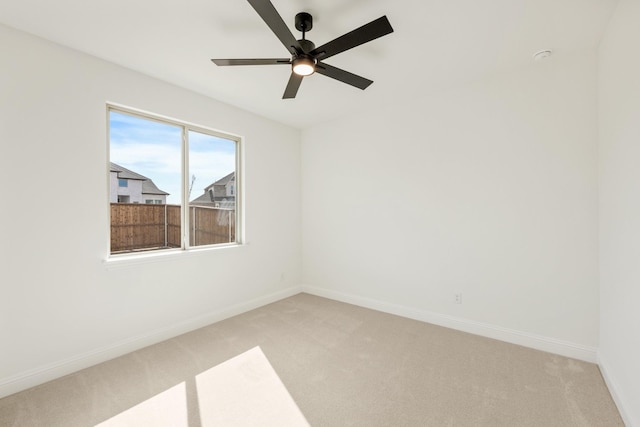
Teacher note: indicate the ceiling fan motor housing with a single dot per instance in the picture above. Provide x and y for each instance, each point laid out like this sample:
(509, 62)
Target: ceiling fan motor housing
(306, 45)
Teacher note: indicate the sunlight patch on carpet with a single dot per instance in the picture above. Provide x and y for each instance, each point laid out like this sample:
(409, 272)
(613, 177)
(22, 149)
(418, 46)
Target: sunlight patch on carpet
(168, 408)
(243, 391)
(246, 391)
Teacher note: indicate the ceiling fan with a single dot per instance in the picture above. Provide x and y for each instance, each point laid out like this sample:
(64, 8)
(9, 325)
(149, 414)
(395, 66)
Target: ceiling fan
(306, 58)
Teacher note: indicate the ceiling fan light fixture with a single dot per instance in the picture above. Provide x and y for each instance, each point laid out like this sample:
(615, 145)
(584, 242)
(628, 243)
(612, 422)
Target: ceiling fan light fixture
(304, 66)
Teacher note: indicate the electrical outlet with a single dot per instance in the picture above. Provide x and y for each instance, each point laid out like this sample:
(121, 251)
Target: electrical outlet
(458, 298)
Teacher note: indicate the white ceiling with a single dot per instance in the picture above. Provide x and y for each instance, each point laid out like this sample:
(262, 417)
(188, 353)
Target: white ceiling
(436, 44)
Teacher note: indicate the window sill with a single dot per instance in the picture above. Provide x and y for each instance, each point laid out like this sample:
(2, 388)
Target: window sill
(129, 260)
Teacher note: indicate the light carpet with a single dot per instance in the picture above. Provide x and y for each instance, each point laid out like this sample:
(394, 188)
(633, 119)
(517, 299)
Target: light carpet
(342, 365)
(244, 391)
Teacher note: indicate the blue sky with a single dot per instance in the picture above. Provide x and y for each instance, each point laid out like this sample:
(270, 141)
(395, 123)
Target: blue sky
(153, 149)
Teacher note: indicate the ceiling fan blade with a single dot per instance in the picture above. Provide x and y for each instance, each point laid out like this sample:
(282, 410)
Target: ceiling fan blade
(272, 18)
(292, 86)
(364, 34)
(342, 75)
(265, 61)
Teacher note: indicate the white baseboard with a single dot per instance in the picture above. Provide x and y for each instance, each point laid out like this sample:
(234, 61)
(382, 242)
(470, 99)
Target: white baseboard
(42, 374)
(614, 389)
(551, 345)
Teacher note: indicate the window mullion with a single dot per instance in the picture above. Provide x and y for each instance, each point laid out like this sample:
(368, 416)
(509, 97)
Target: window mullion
(186, 217)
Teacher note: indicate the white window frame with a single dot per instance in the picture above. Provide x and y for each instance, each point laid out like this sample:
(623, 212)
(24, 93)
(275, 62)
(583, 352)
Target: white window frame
(158, 254)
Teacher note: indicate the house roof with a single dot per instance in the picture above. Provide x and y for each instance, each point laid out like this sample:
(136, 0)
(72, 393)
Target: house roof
(126, 173)
(207, 198)
(216, 192)
(148, 186)
(219, 202)
(223, 181)
(203, 199)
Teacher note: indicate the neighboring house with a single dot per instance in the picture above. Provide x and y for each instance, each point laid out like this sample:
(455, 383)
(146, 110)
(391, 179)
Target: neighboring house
(127, 186)
(220, 194)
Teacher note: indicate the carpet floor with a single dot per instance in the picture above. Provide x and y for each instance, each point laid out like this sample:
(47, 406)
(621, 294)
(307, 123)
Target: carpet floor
(343, 366)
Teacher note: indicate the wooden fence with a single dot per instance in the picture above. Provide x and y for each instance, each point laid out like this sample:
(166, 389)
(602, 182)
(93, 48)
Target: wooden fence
(209, 226)
(136, 227)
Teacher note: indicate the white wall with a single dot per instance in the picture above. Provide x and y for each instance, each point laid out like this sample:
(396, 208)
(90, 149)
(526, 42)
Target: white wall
(619, 168)
(489, 190)
(58, 300)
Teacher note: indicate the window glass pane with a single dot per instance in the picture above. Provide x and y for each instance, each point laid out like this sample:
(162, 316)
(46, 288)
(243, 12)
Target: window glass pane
(212, 190)
(147, 155)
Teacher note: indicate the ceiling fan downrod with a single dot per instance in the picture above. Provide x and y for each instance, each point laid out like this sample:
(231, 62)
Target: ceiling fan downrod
(304, 23)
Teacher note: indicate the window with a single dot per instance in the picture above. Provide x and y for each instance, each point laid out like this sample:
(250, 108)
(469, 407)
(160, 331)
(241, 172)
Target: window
(176, 177)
